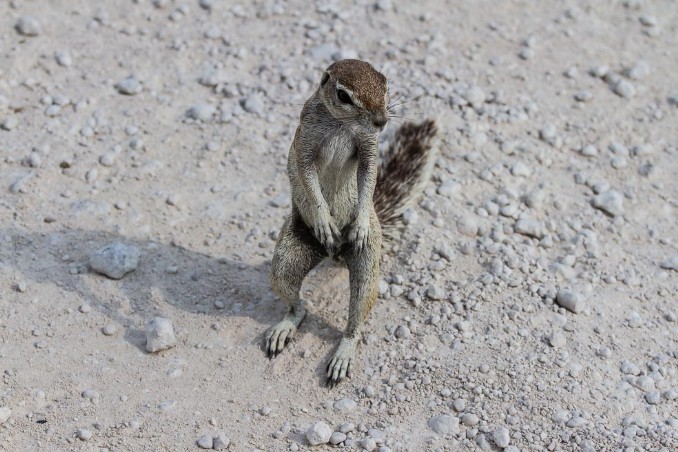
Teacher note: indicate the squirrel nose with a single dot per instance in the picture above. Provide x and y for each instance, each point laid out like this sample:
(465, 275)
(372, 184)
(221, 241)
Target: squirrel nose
(379, 121)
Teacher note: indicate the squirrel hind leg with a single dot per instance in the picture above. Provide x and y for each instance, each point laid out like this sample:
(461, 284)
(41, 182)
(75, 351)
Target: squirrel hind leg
(296, 253)
(363, 268)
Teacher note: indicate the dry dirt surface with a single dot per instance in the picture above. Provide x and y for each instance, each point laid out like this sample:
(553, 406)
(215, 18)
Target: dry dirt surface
(533, 304)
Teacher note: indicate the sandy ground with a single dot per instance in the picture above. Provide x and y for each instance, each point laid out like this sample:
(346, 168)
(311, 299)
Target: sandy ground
(557, 178)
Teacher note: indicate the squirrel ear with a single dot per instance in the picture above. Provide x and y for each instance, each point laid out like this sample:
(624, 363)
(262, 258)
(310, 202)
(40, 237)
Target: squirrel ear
(326, 77)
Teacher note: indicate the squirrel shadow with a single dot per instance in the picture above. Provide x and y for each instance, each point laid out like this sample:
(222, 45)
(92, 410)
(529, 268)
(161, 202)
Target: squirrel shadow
(167, 274)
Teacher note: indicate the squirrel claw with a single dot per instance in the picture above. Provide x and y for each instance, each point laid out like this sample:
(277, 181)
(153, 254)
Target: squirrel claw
(359, 232)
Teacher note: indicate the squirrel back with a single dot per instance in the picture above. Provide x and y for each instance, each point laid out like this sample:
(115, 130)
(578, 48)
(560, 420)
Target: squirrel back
(404, 170)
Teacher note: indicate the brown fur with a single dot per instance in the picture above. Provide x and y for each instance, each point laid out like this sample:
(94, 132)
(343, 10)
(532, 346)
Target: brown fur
(333, 166)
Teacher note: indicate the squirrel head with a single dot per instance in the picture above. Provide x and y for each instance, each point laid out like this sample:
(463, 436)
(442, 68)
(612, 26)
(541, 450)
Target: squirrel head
(354, 91)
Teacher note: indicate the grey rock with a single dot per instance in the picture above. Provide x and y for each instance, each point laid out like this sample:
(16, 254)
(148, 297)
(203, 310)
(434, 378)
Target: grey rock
(129, 86)
(449, 188)
(470, 419)
(5, 413)
(435, 293)
(345, 404)
(28, 26)
(444, 424)
(205, 442)
(501, 437)
(624, 89)
(670, 263)
(201, 112)
(529, 228)
(467, 225)
(520, 169)
(83, 434)
(319, 433)
(557, 339)
(115, 260)
(638, 71)
(254, 103)
(63, 58)
(221, 442)
(160, 335)
(652, 397)
(474, 96)
(610, 202)
(570, 300)
(337, 438)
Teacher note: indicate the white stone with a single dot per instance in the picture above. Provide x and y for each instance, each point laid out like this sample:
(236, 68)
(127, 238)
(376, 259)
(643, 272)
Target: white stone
(205, 442)
(160, 335)
(319, 433)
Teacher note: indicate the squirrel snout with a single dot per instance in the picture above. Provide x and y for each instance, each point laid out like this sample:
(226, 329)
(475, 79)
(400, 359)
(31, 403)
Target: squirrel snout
(379, 120)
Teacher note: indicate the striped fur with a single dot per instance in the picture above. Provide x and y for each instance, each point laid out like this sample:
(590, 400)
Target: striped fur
(404, 170)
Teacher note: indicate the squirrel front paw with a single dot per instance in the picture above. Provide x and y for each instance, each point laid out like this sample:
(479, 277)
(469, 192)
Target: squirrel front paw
(360, 231)
(325, 229)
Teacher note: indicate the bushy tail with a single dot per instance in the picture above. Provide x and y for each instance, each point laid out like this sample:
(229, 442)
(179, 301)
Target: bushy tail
(404, 171)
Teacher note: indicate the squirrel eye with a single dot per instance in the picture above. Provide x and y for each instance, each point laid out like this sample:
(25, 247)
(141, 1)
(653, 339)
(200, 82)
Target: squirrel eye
(344, 97)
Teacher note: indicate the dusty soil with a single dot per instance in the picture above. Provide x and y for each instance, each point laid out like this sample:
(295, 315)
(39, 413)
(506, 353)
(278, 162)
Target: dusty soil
(557, 178)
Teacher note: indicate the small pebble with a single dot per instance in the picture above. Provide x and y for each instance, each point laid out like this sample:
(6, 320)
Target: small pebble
(345, 404)
(610, 202)
(83, 434)
(28, 26)
(5, 413)
(115, 260)
(319, 433)
(160, 335)
(501, 437)
(670, 263)
(624, 89)
(337, 438)
(570, 300)
(201, 112)
(444, 424)
(129, 86)
(557, 339)
(109, 330)
(254, 103)
(221, 442)
(205, 442)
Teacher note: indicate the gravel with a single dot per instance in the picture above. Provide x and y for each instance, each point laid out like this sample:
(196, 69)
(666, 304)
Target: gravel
(159, 335)
(318, 433)
(115, 260)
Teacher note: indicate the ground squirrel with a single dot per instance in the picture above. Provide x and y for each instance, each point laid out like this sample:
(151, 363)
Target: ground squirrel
(341, 201)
